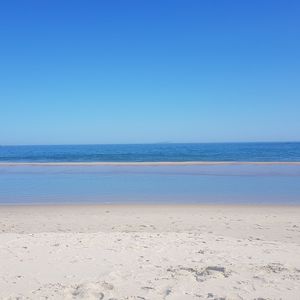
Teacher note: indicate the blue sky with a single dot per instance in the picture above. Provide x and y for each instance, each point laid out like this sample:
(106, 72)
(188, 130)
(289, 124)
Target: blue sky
(149, 71)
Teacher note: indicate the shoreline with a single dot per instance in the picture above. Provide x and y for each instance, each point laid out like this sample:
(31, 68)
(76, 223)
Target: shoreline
(162, 163)
(148, 205)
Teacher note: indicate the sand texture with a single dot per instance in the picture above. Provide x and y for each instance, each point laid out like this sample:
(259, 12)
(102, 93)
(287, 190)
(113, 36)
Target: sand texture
(149, 252)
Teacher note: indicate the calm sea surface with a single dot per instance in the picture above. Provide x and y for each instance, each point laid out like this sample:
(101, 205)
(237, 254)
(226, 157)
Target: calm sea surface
(153, 152)
(264, 184)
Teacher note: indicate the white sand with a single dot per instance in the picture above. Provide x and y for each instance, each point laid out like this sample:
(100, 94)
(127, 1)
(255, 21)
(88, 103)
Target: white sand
(149, 252)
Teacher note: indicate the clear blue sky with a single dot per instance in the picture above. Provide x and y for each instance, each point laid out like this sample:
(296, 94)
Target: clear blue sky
(149, 71)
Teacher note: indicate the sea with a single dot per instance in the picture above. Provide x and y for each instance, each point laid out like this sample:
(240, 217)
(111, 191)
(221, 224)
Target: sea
(153, 152)
(240, 183)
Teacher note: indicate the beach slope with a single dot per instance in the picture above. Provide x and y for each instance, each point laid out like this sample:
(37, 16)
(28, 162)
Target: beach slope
(149, 252)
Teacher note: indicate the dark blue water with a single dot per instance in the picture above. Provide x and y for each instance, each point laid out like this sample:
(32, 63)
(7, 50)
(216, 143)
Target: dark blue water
(153, 152)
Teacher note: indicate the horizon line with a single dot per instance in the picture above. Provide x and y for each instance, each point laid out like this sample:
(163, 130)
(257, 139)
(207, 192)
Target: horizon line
(152, 143)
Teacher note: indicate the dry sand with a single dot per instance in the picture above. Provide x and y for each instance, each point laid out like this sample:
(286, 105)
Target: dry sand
(149, 252)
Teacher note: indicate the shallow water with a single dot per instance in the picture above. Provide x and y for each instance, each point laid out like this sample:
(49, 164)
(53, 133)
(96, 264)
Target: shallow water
(245, 184)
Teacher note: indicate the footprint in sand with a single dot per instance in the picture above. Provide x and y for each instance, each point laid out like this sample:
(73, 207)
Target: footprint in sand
(90, 291)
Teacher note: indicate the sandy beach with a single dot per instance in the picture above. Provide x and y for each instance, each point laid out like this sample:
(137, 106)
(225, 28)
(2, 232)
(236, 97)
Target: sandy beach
(149, 252)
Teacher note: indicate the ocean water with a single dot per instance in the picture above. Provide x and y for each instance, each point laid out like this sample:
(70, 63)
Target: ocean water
(153, 152)
(264, 184)
(226, 184)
